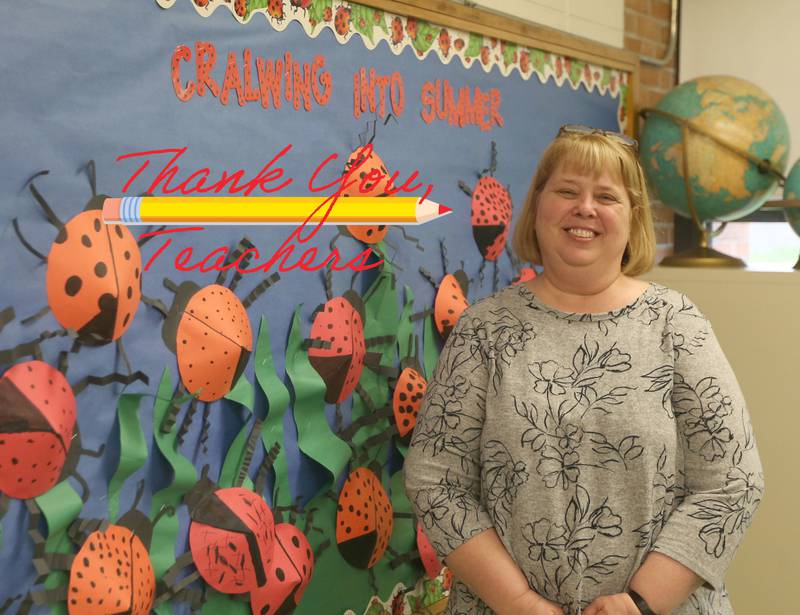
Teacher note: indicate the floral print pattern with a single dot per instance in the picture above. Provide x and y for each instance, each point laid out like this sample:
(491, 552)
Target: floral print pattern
(586, 441)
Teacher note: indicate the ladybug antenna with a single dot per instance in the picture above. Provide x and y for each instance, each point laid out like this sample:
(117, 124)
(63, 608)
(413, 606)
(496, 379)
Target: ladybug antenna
(443, 249)
(410, 238)
(150, 233)
(480, 272)
(139, 494)
(25, 243)
(495, 277)
(165, 510)
(204, 471)
(328, 280)
(427, 275)
(52, 218)
(493, 162)
(91, 171)
(170, 285)
(465, 189)
(390, 116)
(6, 316)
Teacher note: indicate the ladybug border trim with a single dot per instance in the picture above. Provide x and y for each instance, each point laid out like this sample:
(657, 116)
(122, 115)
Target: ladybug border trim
(374, 25)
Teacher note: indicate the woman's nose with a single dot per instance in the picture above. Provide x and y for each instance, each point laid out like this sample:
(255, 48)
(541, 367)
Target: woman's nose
(586, 206)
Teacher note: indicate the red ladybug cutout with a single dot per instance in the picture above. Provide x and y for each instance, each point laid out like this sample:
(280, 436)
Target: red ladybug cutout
(94, 272)
(338, 346)
(525, 274)
(430, 560)
(491, 211)
(37, 419)
(364, 519)
(231, 537)
(289, 574)
(407, 399)
(209, 331)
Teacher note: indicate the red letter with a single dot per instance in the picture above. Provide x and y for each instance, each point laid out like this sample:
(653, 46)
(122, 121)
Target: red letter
(204, 66)
(324, 79)
(398, 94)
(427, 100)
(232, 81)
(182, 52)
(269, 81)
(494, 97)
(249, 93)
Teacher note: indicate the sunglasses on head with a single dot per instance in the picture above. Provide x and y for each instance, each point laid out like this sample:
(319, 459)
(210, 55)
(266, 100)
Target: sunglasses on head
(580, 129)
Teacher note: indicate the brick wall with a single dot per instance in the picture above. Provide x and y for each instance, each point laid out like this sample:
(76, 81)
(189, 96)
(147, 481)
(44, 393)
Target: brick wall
(647, 33)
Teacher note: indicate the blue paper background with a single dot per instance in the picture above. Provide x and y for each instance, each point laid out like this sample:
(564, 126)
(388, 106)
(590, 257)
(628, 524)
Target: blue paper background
(91, 80)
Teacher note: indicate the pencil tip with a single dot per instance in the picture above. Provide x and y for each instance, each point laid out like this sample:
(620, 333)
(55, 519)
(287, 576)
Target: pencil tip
(443, 209)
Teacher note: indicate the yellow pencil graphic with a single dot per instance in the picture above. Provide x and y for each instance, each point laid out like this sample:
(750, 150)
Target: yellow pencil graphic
(270, 210)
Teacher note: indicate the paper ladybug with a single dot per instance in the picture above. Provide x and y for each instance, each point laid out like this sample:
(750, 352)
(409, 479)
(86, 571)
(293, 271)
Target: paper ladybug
(407, 396)
(288, 575)
(363, 519)
(525, 274)
(209, 331)
(371, 177)
(451, 296)
(37, 419)
(111, 573)
(491, 209)
(39, 442)
(94, 271)
(231, 539)
(337, 348)
(430, 561)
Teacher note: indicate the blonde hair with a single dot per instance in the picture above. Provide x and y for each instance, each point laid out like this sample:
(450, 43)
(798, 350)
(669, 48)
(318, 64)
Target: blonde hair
(591, 154)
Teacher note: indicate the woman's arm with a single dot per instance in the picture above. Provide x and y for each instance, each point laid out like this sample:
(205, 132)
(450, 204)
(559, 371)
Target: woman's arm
(485, 566)
(664, 583)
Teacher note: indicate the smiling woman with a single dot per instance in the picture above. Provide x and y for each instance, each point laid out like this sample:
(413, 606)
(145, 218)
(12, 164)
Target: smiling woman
(597, 455)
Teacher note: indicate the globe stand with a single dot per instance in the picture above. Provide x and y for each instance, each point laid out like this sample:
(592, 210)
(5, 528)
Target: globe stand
(704, 255)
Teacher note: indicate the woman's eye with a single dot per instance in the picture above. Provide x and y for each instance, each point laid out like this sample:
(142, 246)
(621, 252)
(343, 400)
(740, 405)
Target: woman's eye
(567, 192)
(610, 198)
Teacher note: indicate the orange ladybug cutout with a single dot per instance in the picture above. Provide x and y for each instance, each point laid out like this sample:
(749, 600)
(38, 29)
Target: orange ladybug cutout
(407, 399)
(370, 177)
(363, 520)
(111, 573)
(209, 331)
(94, 271)
(288, 575)
(451, 296)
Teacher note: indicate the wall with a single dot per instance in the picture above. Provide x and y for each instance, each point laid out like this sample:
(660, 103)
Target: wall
(764, 358)
(758, 42)
(599, 20)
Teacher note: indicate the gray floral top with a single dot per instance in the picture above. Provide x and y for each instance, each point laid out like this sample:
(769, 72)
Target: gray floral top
(586, 441)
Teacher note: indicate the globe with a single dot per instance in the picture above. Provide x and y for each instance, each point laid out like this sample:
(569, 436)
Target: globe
(737, 142)
(791, 190)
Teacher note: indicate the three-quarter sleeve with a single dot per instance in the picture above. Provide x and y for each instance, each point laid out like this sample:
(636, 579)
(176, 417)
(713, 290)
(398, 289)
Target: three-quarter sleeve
(723, 481)
(442, 468)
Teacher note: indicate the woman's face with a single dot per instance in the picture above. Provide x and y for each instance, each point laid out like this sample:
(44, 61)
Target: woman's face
(583, 220)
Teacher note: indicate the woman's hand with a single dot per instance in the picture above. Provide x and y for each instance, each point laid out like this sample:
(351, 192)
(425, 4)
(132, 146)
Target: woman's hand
(531, 603)
(615, 604)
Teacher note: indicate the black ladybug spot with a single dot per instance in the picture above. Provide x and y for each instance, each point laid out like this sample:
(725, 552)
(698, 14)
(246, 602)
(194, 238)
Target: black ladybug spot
(369, 232)
(14, 461)
(73, 285)
(126, 319)
(296, 541)
(130, 292)
(136, 273)
(100, 269)
(118, 229)
(127, 255)
(280, 574)
(86, 241)
(97, 225)
(86, 561)
(107, 302)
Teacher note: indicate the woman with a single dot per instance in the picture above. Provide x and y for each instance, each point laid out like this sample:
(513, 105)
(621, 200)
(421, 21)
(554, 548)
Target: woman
(584, 446)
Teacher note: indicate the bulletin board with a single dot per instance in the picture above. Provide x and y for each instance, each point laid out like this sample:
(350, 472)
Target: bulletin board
(248, 97)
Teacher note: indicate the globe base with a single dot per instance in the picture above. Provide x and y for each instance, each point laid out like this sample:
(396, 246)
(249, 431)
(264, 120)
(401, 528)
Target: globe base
(703, 257)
